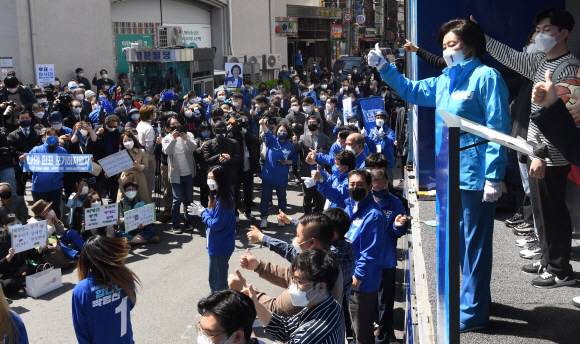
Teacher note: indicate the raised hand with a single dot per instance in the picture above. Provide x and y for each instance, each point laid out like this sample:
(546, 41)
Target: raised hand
(255, 235)
(283, 217)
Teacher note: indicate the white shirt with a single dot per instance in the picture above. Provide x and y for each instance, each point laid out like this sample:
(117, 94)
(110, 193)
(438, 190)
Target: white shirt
(180, 157)
(146, 137)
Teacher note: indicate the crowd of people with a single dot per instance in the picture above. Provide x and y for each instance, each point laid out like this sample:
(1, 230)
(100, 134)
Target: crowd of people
(341, 279)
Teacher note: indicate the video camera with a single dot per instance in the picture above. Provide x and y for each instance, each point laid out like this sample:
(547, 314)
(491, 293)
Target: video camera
(9, 108)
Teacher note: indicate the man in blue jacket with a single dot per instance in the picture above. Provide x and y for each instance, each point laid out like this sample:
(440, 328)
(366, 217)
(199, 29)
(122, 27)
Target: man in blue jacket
(335, 187)
(367, 236)
(382, 140)
(48, 185)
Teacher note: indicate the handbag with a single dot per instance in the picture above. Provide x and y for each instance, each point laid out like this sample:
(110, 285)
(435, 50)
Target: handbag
(96, 169)
(54, 256)
(44, 281)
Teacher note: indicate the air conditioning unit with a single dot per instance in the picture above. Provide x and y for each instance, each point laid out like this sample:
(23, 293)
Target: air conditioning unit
(234, 59)
(170, 36)
(254, 59)
(252, 73)
(272, 61)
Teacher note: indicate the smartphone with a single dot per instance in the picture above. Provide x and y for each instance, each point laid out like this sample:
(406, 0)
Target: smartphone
(182, 129)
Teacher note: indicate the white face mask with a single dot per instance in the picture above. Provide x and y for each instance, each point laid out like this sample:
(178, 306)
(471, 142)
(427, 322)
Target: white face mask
(57, 126)
(80, 97)
(212, 184)
(380, 122)
(349, 148)
(84, 132)
(77, 110)
(85, 190)
(297, 245)
(148, 99)
(105, 76)
(545, 43)
(12, 90)
(307, 108)
(135, 117)
(42, 100)
(111, 129)
(39, 114)
(203, 339)
(453, 57)
(128, 144)
(188, 113)
(284, 69)
(81, 75)
(96, 204)
(131, 194)
(323, 86)
(56, 83)
(221, 98)
(236, 104)
(299, 298)
(354, 71)
(349, 77)
(328, 107)
(258, 106)
(191, 101)
(296, 81)
(296, 108)
(532, 49)
(323, 98)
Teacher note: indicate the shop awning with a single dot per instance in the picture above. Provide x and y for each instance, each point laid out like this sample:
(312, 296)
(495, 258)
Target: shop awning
(365, 39)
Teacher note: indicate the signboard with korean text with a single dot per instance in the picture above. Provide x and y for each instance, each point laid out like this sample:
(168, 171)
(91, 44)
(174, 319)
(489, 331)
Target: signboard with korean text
(44, 74)
(124, 41)
(101, 216)
(336, 31)
(28, 236)
(116, 163)
(47, 162)
(140, 216)
(195, 35)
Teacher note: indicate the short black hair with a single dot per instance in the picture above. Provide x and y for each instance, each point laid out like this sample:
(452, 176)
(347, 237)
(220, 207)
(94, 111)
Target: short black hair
(262, 99)
(308, 100)
(558, 17)
(276, 103)
(317, 266)
(112, 118)
(130, 183)
(78, 70)
(346, 158)
(339, 219)
(376, 160)
(169, 119)
(216, 111)
(313, 116)
(344, 131)
(362, 173)
(128, 93)
(469, 32)
(103, 70)
(318, 226)
(220, 124)
(233, 310)
(11, 82)
(24, 112)
(237, 95)
(236, 66)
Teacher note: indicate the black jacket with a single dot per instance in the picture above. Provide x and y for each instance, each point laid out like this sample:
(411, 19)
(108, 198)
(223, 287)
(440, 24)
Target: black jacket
(18, 261)
(26, 97)
(200, 179)
(253, 148)
(101, 148)
(121, 112)
(521, 88)
(222, 145)
(433, 60)
(70, 120)
(84, 81)
(100, 83)
(20, 144)
(6, 160)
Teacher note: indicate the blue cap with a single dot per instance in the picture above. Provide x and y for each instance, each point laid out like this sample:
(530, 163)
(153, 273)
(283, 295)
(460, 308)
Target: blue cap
(203, 96)
(352, 114)
(380, 113)
(55, 117)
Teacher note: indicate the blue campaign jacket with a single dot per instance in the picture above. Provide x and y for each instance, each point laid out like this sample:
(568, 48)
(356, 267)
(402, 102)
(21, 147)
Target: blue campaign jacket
(391, 206)
(334, 188)
(220, 229)
(274, 172)
(475, 92)
(97, 313)
(386, 140)
(47, 181)
(328, 159)
(367, 236)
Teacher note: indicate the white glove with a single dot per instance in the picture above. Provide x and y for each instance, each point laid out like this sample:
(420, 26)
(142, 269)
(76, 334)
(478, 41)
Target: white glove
(381, 131)
(363, 132)
(308, 182)
(339, 122)
(491, 191)
(356, 89)
(311, 87)
(195, 210)
(376, 58)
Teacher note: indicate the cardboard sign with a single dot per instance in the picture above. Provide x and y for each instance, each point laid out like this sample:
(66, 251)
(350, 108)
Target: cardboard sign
(101, 216)
(45, 74)
(346, 109)
(370, 107)
(28, 236)
(116, 163)
(47, 162)
(140, 216)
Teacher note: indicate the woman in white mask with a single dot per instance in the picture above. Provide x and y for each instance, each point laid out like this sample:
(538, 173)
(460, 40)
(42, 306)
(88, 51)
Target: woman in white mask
(220, 221)
(141, 164)
(77, 198)
(478, 93)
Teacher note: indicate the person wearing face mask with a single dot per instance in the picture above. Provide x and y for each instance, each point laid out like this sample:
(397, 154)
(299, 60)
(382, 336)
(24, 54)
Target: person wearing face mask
(22, 97)
(483, 166)
(219, 219)
(76, 115)
(221, 96)
(141, 163)
(76, 199)
(11, 203)
(203, 137)
(134, 118)
(91, 200)
(7, 173)
(284, 74)
(223, 151)
(146, 138)
(181, 163)
(79, 95)
(334, 187)
(296, 118)
(382, 140)
(130, 201)
(294, 86)
(48, 185)
(80, 78)
(109, 143)
(123, 110)
(39, 120)
(331, 118)
(313, 275)
(104, 83)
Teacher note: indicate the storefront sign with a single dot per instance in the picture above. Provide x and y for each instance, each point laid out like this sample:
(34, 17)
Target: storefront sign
(313, 12)
(336, 31)
(370, 32)
(124, 41)
(379, 17)
(360, 19)
(44, 74)
(286, 27)
(195, 35)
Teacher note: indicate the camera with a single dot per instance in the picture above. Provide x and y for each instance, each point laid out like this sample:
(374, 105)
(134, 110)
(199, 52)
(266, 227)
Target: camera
(64, 99)
(182, 129)
(236, 125)
(271, 121)
(9, 107)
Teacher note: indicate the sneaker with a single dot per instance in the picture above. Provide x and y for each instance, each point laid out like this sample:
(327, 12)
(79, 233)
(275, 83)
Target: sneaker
(576, 301)
(548, 280)
(188, 227)
(534, 268)
(264, 223)
(527, 241)
(514, 220)
(281, 224)
(250, 217)
(177, 230)
(523, 229)
(532, 252)
(166, 218)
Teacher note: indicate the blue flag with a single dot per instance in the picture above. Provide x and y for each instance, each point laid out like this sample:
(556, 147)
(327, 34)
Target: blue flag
(39, 162)
(370, 106)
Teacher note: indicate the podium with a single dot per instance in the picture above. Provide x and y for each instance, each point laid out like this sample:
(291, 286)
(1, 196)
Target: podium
(449, 128)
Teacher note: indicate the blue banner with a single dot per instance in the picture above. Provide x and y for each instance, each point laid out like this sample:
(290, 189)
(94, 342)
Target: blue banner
(46, 162)
(370, 107)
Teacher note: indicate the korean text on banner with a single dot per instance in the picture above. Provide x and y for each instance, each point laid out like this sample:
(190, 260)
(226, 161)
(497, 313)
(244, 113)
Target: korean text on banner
(346, 109)
(45, 162)
(140, 216)
(29, 236)
(101, 216)
(116, 163)
(370, 107)
(44, 74)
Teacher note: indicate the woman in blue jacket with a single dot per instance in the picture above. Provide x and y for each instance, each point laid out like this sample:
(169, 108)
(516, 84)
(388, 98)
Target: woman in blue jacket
(220, 221)
(280, 154)
(48, 185)
(476, 92)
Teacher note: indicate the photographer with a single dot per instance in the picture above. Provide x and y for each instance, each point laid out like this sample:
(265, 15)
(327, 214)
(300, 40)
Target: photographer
(160, 156)
(223, 151)
(14, 98)
(204, 135)
(21, 141)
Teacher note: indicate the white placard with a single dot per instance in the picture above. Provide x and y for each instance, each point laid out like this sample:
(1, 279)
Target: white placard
(29, 236)
(45, 74)
(346, 109)
(140, 216)
(117, 163)
(101, 216)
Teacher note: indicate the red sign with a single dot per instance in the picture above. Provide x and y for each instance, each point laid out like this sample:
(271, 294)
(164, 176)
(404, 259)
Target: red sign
(347, 17)
(336, 31)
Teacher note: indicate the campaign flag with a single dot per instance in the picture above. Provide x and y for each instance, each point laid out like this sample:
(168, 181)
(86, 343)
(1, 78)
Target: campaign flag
(346, 109)
(47, 162)
(370, 107)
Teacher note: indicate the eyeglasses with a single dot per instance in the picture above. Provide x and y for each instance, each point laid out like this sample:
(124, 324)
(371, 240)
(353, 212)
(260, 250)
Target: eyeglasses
(128, 99)
(201, 332)
(78, 106)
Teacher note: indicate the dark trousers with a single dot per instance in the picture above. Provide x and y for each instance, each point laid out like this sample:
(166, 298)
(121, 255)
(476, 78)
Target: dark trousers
(553, 219)
(247, 183)
(54, 196)
(386, 304)
(113, 183)
(313, 200)
(347, 320)
(363, 311)
(21, 178)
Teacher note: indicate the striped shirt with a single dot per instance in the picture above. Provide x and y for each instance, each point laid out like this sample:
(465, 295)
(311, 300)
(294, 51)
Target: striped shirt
(322, 324)
(533, 67)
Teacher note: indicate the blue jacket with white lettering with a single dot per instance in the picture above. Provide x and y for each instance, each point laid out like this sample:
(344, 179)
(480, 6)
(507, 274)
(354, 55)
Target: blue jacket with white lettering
(391, 206)
(220, 232)
(334, 189)
(47, 181)
(475, 92)
(367, 236)
(274, 172)
(386, 141)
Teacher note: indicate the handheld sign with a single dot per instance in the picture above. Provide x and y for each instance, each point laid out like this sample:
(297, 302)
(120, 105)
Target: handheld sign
(28, 236)
(370, 106)
(117, 163)
(346, 109)
(141, 216)
(46, 162)
(101, 216)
